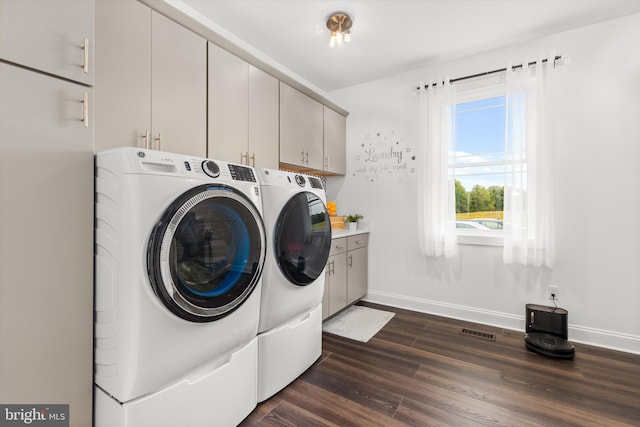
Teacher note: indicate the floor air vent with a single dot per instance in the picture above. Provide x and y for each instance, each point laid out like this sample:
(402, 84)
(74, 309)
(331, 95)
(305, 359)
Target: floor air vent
(478, 334)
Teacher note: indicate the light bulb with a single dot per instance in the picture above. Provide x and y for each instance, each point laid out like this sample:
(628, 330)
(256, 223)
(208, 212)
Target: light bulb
(347, 36)
(332, 40)
(339, 38)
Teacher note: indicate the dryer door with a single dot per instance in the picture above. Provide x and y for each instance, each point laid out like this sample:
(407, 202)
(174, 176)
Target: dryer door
(205, 255)
(302, 238)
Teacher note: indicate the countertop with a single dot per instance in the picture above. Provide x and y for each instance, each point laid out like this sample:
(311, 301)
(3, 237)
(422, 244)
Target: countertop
(335, 234)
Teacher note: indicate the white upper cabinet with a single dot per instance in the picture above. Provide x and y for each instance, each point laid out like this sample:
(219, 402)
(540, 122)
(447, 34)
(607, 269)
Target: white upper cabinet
(335, 128)
(59, 38)
(243, 111)
(178, 88)
(156, 87)
(228, 106)
(151, 81)
(122, 91)
(312, 135)
(263, 119)
(301, 129)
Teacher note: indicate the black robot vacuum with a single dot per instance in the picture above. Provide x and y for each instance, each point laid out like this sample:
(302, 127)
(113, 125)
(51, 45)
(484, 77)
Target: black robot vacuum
(547, 331)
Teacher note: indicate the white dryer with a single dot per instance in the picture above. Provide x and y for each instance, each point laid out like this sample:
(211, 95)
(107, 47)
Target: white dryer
(299, 240)
(180, 247)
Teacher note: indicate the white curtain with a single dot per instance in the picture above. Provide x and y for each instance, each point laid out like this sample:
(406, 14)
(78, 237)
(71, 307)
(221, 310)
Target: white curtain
(436, 195)
(528, 192)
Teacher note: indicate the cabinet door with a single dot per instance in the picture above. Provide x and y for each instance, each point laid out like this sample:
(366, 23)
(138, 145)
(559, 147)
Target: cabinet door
(335, 127)
(301, 128)
(228, 106)
(123, 70)
(178, 88)
(55, 36)
(337, 283)
(46, 249)
(356, 274)
(263, 119)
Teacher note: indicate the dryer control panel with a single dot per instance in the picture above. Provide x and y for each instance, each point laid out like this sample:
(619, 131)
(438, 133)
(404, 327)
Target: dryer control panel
(242, 173)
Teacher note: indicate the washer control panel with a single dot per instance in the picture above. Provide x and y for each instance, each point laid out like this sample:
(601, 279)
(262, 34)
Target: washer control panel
(242, 173)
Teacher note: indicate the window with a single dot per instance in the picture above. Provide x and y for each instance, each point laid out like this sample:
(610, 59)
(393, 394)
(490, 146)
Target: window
(486, 151)
(477, 159)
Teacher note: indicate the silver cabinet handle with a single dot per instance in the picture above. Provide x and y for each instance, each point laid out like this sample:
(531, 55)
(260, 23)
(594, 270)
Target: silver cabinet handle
(307, 155)
(146, 139)
(350, 260)
(326, 162)
(339, 246)
(85, 61)
(358, 242)
(244, 158)
(85, 109)
(253, 160)
(302, 156)
(159, 139)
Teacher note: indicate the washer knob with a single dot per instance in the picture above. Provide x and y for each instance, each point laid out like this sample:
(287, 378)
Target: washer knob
(300, 180)
(211, 168)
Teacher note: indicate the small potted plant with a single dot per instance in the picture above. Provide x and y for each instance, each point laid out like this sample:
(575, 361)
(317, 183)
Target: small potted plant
(352, 220)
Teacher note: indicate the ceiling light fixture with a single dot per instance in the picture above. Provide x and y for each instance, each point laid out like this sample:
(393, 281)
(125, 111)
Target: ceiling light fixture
(339, 23)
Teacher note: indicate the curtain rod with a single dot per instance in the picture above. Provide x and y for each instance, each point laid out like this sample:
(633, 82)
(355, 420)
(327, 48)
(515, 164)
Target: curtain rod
(487, 73)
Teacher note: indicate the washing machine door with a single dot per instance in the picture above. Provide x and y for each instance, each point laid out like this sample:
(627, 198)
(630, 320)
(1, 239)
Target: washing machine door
(302, 238)
(206, 253)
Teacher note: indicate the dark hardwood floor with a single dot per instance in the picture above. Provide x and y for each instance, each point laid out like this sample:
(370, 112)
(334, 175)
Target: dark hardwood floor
(419, 370)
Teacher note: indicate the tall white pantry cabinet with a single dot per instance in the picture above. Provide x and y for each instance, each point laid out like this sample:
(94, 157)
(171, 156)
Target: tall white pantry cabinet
(46, 205)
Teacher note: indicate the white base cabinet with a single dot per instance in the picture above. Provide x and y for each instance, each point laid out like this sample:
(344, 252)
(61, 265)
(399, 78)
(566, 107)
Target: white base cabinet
(335, 285)
(357, 266)
(346, 273)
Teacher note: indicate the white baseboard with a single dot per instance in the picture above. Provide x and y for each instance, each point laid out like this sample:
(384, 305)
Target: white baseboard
(580, 334)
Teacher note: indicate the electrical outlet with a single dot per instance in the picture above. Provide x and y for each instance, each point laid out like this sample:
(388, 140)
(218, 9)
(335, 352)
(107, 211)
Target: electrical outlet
(555, 290)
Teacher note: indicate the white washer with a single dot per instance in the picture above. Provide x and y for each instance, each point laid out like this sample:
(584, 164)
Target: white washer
(180, 249)
(299, 241)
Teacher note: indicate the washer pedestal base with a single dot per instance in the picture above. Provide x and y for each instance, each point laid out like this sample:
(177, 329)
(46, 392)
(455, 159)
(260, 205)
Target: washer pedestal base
(223, 393)
(287, 351)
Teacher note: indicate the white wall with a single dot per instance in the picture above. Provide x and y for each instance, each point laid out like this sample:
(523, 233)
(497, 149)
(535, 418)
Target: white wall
(597, 163)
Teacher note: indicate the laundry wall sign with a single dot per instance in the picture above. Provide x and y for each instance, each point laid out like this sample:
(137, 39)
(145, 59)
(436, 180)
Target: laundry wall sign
(383, 156)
